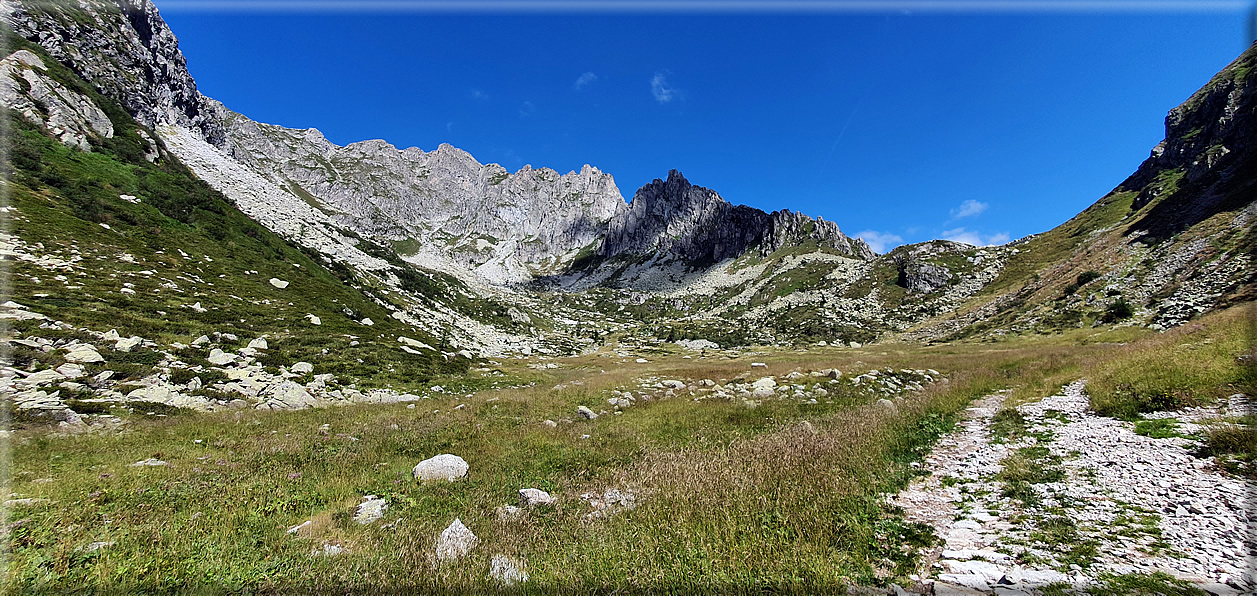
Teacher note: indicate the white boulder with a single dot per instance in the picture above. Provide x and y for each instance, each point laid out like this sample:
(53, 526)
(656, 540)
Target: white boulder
(442, 467)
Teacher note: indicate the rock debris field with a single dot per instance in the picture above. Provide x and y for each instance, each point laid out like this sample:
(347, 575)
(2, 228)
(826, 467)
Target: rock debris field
(1107, 502)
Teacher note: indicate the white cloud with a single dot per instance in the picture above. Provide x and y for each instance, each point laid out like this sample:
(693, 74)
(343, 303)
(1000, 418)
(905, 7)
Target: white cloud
(478, 94)
(968, 208)
(583, 80)
(526, 109)
(660, 88)
(880, 242)
(975, 238)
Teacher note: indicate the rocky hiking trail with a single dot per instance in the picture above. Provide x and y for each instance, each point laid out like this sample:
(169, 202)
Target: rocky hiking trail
(1049, 497)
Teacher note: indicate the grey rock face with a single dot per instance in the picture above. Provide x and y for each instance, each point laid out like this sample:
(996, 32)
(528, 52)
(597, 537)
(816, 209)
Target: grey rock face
(694, 223)
(126, 50)
(70, 116)
(922, 277)
(504, 225)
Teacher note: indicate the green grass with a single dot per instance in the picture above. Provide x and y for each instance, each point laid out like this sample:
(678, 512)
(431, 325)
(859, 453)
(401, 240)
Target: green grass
(729, 497)
(1158, 428)
(1234, 446)
(1191, 365)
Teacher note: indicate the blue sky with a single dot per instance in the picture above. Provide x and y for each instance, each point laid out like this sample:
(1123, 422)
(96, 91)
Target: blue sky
(900, 127)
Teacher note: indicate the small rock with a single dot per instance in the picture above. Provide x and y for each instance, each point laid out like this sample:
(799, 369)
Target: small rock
(200, 341)
(508, 570)
(127, 344)
(586, 412)
(534, 497)
(370, 509)
(279, 283)
(314, 320)
(331, 550)
(888, 405)
(455, 541)
(507, 512)
(302, 368)
(70, 371)
(220, 358)
(442, 467)
(297, 528)
(258, 344)
(550, 423)
(152, 461)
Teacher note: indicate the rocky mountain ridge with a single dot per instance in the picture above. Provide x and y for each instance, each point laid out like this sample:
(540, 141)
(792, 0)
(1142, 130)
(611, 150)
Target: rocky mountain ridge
(694, 223)
(1172, 241)
(444, 207)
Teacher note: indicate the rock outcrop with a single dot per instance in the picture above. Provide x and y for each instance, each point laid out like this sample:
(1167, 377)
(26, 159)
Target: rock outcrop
(1207, 162)
(693, 223)
(69, 116)
(127, 51)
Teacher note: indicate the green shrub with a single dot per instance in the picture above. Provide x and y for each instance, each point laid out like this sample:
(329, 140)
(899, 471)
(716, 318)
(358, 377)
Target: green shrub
(1119, 310)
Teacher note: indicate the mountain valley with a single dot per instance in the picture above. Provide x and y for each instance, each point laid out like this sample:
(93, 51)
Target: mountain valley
(226, 340)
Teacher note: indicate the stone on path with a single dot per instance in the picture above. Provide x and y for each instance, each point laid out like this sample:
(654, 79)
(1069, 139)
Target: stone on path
(455, 541)
(442, 467)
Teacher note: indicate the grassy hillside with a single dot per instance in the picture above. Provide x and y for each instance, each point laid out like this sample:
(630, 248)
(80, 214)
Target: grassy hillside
(108, 240)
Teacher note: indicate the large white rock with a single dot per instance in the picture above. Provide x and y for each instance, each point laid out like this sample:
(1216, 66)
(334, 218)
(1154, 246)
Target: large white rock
(83, 353)
(43, 377)
(71, 371)
(279, 283)
(302, 368)
(200, 341)
(442, 467)
(455, 541)
(586, 412)
(258, 344)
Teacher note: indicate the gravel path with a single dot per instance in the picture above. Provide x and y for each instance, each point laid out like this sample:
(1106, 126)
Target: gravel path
(1100, 501)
